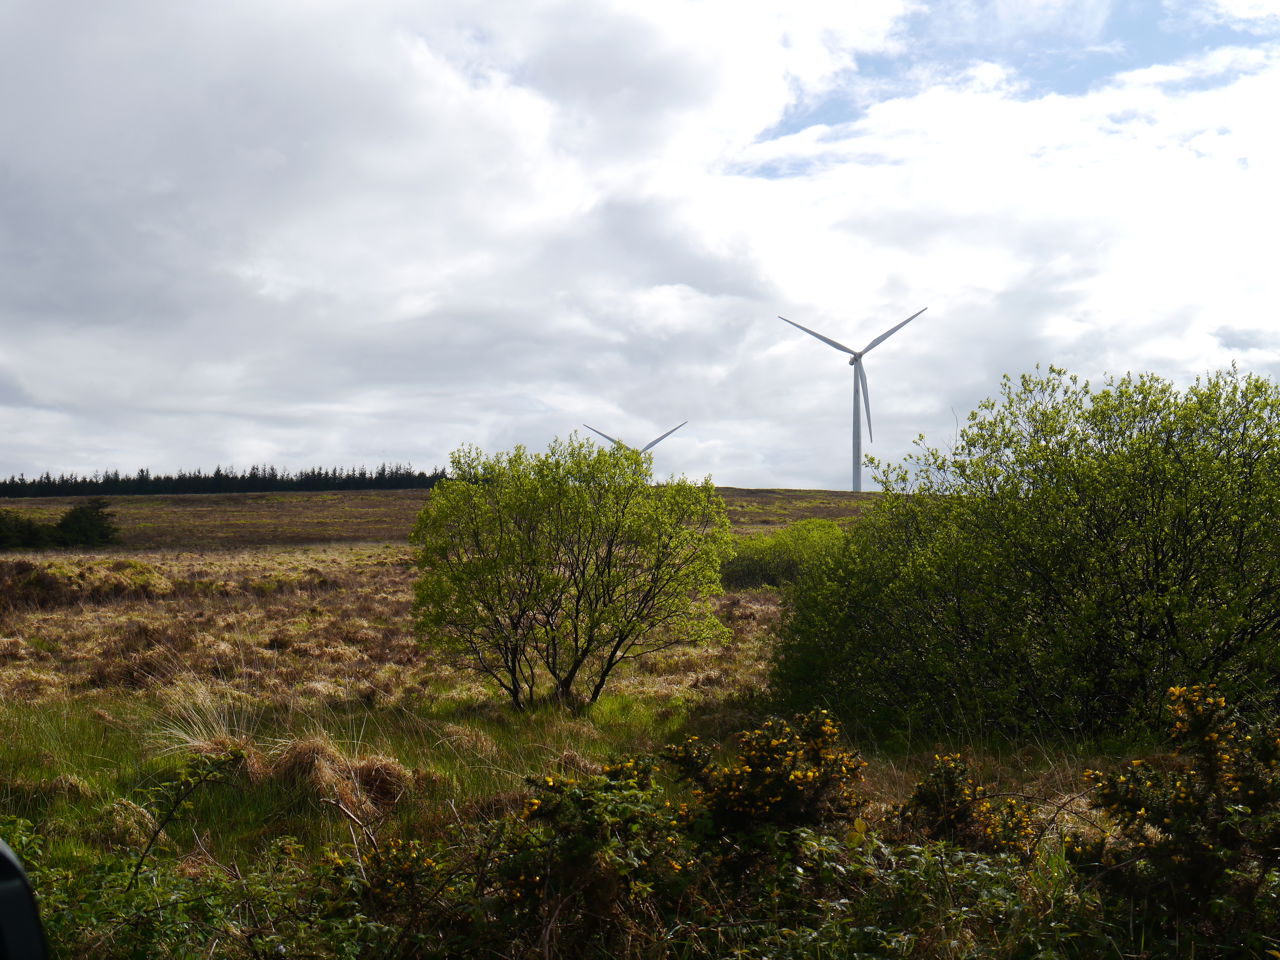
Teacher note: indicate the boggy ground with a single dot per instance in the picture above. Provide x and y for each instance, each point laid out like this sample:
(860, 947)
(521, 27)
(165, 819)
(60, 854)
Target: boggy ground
(114, 663)
(279, 626)
(290, 614)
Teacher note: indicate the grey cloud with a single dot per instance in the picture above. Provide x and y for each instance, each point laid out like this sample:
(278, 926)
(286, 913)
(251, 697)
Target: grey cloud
(1238, 338)
(151, 156)
(11, 392)
(616, 79)
(644, 243)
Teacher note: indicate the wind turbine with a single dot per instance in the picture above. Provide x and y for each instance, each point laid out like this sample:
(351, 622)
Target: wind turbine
(860, 394)
(648, 446)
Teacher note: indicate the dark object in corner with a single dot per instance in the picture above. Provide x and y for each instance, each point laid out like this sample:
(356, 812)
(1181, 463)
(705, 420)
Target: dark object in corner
(21, 937)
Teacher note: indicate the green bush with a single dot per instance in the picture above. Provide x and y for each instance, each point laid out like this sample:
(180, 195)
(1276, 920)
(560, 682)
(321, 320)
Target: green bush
(1075, 554)
(545, 571)
(776, 559)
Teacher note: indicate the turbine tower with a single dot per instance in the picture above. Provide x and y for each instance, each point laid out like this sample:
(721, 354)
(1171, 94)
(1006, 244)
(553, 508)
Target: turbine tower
(648, 446)
(860, 395)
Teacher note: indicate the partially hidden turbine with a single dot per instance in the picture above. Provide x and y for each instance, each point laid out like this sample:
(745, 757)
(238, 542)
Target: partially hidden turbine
(860, 394)
(648, 446)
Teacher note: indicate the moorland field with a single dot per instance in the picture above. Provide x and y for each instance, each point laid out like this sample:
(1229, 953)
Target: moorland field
(259, 649)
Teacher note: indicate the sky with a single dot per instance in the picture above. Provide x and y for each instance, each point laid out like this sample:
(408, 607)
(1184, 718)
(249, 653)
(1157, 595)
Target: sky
(312, 232)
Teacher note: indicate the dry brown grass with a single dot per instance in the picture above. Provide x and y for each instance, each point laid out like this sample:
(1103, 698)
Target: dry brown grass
(284, 625)
(293, 596)
(253, 607)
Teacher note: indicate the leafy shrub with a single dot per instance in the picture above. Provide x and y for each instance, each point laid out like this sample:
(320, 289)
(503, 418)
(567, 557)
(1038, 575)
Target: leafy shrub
(545, 571)
(1107, 542)
(776, 559)
(1197, 841)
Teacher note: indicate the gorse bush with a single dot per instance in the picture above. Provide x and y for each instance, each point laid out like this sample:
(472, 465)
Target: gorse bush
(1196, 840)
(691, 855)
(616, 864)
(1073, 556)
(776, 559)
(786, 773)
(948, 805)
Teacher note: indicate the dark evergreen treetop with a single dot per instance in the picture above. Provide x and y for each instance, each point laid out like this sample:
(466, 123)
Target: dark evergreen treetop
(257, 479)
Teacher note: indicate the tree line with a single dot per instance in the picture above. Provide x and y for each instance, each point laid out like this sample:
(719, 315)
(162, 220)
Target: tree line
(256, 479)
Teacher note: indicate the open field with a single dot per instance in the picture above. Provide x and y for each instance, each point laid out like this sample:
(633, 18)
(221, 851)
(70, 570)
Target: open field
(279, 616)
(270, 620)
(224, 521)
(279, 626)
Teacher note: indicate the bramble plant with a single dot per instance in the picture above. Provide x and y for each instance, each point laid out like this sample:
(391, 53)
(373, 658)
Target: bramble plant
(170, 800)
(546, 571)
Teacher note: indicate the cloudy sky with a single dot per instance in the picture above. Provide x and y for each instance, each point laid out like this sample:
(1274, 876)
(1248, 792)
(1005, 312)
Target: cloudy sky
(311, 232)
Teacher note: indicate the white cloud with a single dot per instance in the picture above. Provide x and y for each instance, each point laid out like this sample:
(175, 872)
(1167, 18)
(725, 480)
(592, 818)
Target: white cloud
(309, 233)
(1018, 21)
(1252, 16)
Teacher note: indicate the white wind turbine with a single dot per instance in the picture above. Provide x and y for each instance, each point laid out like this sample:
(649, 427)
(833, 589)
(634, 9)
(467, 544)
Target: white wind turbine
(860, 394)
(648, 446)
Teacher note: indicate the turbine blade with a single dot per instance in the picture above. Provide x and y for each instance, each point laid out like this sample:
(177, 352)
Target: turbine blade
(605, 435)
(889, 333)
(653, 443)
(860, 378)
(826, 340)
